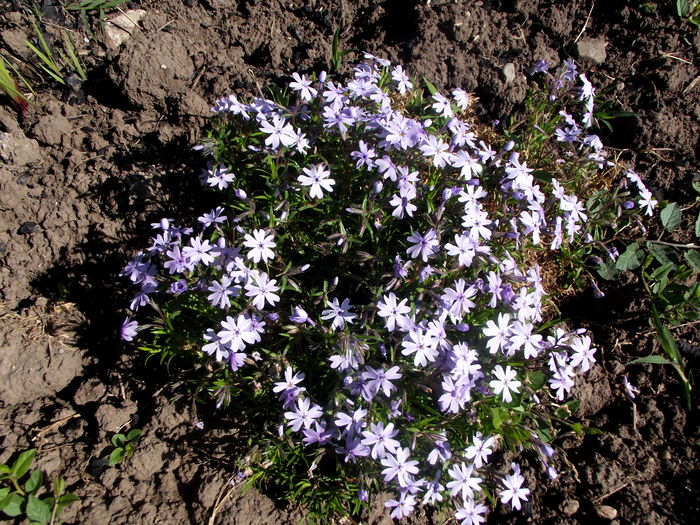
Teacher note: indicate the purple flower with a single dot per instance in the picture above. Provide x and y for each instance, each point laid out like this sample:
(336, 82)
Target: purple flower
(540, 66)
(129, 329)
(178, 286)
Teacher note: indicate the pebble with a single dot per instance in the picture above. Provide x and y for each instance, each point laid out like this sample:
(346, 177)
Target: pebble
(27, 228)
(570, 507)
(509, 72)
(591, 50)
(606, 512)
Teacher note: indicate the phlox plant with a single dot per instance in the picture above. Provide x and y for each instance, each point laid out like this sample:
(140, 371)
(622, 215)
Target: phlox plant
(371, 285)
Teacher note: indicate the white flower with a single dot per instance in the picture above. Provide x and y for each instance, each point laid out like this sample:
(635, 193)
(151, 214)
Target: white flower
(423, 245)
(260, 245)
(339, 313)
(280, 132)
(514, 492)
(505, 383)
(262, 291)
(391, 311)
(317, 178)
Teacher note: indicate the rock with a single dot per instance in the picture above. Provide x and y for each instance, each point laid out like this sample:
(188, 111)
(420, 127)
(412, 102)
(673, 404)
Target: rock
(118, 29)
(509, 72)
(153, 69)
(570, 507)
(51, 129)
(27, 228)
(17, 149)
(605, 512)
(591, 50)
(8, 122)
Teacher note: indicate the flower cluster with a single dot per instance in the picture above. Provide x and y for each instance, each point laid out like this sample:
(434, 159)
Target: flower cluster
(375, 258)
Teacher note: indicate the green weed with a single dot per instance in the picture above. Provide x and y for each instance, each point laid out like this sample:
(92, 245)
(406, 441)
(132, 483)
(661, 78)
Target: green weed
(124, 446)
(22, 493)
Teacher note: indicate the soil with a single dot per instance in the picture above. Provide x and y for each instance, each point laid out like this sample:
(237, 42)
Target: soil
(89, 166)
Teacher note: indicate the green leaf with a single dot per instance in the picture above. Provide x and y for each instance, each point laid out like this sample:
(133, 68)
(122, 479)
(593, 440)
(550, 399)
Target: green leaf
(34, 482)
(431, 87)
(661, 253)
(37, 510)
(630, 258)
(671, 216)
(22, 463)
(608, 271)
(4, 492)
(576, 427)
(12, 505)
(67, 499)
(497, 417)
(133, 434)
(537, 380)
(693, 258)
(652, 359)
(118, 440)
(58, 486)
(697, 226)
(696, 186)
(592, 431)
(116, 456)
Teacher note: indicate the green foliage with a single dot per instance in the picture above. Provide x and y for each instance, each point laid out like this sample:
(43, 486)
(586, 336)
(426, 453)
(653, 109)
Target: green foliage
(124, 446)
(689, 10)
(9, 86)
(22, 492)
(47, 62)
(95, 5)
(669, 272)
(348, 246)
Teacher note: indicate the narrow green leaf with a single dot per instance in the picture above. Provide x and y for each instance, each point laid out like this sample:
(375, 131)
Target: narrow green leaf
(496, 416)
(38, 510)
(671, 216)
(431, 87)
(697, 226)
(22, 463)
(592, 431)
(58, 486)
(652, 359)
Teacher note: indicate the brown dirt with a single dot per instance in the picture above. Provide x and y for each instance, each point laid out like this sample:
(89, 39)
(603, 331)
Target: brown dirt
(85, 170)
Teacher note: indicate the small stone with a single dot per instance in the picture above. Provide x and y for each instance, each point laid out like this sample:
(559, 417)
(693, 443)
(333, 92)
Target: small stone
(23, 178)
(570, 507)
(605, 512)
(509, 72)
(591, 50)
(27, 228)
(118, 29)
(17, 149)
